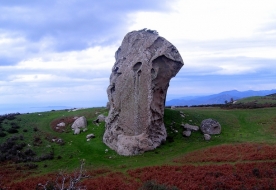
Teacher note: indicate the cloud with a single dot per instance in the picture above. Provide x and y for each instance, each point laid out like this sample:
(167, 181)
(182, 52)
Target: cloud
(71, 25)
(63, 51)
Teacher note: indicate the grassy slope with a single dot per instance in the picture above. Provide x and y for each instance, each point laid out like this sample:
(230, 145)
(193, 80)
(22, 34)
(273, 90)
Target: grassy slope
(254, 125)
(259, 100)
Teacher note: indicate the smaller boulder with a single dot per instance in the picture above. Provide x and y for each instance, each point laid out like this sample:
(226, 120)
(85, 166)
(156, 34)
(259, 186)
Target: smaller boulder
(101, 118)
(190, 127)
(210, 126)
(79, 123)
(207, 137)
(187, 133)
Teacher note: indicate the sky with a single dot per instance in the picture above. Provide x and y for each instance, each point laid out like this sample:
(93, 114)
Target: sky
(60, 53)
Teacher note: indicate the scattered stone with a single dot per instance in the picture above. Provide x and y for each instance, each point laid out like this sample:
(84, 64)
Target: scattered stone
(210, 126)
(207, 137)
(145, 63)
(187, 133)
(59, 141)
(88, 139)
(62, 124)
(90, 136)
(190, 127)
(173, 107)
(101, 118)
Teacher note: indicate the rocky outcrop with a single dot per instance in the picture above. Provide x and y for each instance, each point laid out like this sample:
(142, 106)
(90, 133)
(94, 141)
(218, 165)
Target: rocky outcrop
(145, 63)
(210, 126)
(78, 124)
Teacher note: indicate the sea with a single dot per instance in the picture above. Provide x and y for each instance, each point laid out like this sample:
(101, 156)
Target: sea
(22, 109)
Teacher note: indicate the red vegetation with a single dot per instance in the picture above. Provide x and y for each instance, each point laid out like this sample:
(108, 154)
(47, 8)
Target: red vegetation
(112, 181)
(239, 176)
(246, 166)
(66, 120)
(231, 153)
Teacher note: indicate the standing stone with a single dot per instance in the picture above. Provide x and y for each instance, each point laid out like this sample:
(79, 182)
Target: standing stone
(145, 63)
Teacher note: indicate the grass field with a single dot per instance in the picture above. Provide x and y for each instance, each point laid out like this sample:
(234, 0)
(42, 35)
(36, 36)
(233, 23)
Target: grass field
(259, 100)
(239, 126)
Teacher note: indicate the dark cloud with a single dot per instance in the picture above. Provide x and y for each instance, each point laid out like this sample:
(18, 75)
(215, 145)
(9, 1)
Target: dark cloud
(72, 24)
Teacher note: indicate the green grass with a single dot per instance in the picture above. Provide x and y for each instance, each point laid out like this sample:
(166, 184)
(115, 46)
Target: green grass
(238, 125)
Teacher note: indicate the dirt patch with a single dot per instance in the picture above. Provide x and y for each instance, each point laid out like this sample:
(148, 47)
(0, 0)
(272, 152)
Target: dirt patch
(61, 129)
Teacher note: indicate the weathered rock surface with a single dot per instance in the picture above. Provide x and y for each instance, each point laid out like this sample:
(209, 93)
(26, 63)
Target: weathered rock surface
(78, 124)
(145, 63)
(190, 127)
(210, 126)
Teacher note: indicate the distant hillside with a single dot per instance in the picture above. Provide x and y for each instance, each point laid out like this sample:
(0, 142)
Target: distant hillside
(218, 98)
(269, 99)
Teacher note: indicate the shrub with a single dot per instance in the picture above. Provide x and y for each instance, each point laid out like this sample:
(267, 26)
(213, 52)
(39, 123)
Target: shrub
(12, 130)
(2, 134)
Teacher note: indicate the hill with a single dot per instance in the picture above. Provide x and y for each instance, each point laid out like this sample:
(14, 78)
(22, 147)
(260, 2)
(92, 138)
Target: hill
(219, 98)
(242, 150)
(269, 99)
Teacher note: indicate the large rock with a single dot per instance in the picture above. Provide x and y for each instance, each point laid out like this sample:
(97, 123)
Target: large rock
(145, 63)
(210, 126)
(78, 124)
